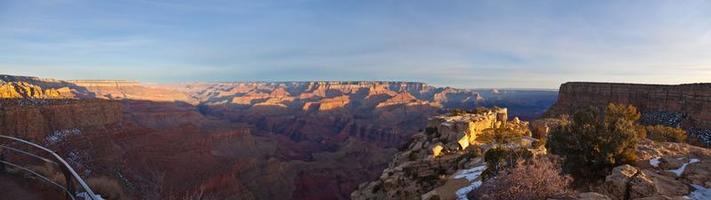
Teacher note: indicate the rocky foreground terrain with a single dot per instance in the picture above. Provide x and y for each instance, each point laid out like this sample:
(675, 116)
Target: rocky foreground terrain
(252, 140)
(442, 162)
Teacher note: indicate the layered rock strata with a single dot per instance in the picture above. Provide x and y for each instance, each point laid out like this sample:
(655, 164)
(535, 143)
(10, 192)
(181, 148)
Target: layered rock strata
(691, 100)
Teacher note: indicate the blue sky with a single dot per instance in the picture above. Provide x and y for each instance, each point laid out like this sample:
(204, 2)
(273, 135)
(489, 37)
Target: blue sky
(467, 44)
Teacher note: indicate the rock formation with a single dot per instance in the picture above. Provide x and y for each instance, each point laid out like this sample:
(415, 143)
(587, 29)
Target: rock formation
(685, 105)
(441, 161)
(693, 100)
(133, 90)
(34, 108)
(662, 173)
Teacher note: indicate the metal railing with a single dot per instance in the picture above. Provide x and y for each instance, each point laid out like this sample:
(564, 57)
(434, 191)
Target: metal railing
(75, 192)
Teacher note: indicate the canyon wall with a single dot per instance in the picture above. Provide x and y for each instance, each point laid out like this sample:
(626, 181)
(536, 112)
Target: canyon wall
(34, 108)
(37, 122)
(131, 90)
(691, 100)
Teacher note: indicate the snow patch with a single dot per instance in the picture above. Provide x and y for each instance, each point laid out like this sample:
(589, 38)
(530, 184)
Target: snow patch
(681, 169)
(654, 162)
(471, 175)
(462, 192)
(60, 135)
(699, 193)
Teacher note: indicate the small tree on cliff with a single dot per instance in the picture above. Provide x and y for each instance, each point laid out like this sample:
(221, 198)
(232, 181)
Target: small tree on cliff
(592, 144)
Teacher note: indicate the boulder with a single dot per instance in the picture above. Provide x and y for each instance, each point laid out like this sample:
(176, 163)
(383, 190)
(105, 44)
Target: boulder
(616, 182)
(669, 163)
(666, 185)
(699, 173)
(627, 182)
(641, 185)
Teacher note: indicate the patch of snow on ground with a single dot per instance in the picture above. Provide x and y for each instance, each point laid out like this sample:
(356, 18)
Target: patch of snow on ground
(59, 135)
(654, 162)
(681, 169)
(699, 193)
(462, 192)
(471, 175)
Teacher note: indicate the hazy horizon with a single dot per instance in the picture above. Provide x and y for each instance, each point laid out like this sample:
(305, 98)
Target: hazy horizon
(462, 44)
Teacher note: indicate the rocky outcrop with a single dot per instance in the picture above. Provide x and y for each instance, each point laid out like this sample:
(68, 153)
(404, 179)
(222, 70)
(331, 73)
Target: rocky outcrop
(334, 103)
(459, 131)
(663, 172)
(685, 105)
(33, 88)
(692, 100)
(441, 162)
(26, 90)
(35, 108)
(628, 182)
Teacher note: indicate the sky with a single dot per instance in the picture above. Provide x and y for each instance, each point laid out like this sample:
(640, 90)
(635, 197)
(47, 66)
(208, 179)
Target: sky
(465, 44)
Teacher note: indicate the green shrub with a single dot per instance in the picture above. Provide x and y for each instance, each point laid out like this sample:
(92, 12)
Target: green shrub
(501, 158)
(592, 144)
(661, 133)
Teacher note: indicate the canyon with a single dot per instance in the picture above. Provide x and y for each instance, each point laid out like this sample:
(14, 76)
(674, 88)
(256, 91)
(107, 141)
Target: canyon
(235, 140)
(302, 139)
